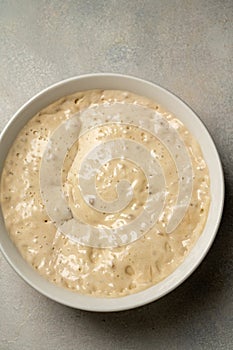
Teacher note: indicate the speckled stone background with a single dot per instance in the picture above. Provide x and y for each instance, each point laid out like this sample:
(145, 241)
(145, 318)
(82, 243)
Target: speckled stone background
(185, 46)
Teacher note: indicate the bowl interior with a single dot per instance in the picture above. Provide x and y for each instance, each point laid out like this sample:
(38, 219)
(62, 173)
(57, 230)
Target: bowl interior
(192, 122)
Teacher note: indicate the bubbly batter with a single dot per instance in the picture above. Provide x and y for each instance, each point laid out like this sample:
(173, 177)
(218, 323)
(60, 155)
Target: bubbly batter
(110, 271)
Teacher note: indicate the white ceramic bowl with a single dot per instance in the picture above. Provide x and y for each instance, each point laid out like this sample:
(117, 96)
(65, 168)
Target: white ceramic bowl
(192, 122)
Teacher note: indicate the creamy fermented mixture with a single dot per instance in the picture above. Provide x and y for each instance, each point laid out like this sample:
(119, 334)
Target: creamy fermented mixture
(62, 259)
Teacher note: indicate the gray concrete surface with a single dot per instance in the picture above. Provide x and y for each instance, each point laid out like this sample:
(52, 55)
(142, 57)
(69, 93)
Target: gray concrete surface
(185, 46)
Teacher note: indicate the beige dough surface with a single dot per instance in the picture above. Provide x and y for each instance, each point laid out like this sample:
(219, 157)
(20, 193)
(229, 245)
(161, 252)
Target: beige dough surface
(111, 272)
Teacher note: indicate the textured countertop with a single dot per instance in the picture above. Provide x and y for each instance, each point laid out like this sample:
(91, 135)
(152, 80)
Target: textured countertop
(185, 46)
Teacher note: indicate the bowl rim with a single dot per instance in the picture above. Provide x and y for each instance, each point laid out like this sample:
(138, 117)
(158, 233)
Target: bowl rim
(101, 304)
